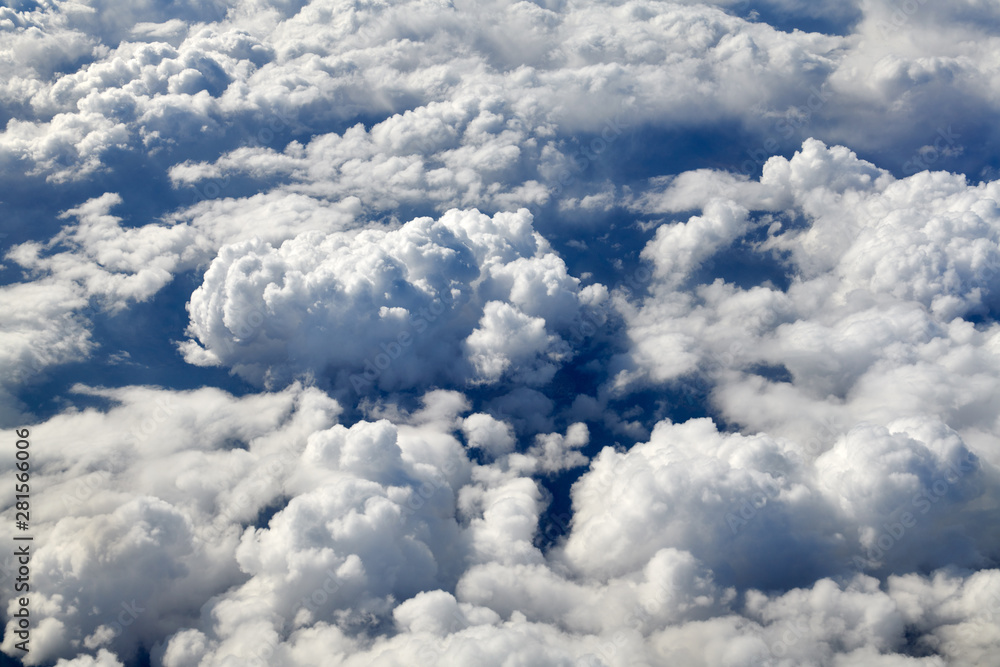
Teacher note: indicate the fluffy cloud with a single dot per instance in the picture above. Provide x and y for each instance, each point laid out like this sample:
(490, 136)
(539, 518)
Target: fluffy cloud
(108, 262)
(889, 281)
(159, 483)
(97, 265)
(456, 298)
(759, 511)
(166, 499)
(398, 222)
(474, 129)
(41, 329)
(276, 533)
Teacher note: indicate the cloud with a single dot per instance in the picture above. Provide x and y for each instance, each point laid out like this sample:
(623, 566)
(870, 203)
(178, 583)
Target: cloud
(490, 435)
(889, 278)
(550, 74)
(137, 514)
(851, 366)
(41, 329)
(113, 264)
(98, 265)
(385, 540)
(391, 309)
(472, 433)
(104, 659)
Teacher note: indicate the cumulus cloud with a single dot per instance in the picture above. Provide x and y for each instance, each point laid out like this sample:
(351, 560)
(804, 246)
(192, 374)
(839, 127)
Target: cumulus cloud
(159, 483)
(477, 129)
(111, 263)
(890, 277)
(457, 298)
(98, 265)
(470, 432)
(321, 564)
(385, 539)
(41, 329)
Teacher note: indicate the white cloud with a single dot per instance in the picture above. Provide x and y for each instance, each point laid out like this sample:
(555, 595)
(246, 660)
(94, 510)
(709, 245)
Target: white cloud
(839, 320)
(104, 659)
(490, 435)
(679, 249)
(388, 542)
(884, 272)
(111, 263)
(508, 339)
(41, 329)
(139, 508)
(390, 308)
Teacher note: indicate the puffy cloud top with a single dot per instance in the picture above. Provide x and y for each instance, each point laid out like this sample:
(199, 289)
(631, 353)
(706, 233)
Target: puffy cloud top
(563, 333)
(464, 297)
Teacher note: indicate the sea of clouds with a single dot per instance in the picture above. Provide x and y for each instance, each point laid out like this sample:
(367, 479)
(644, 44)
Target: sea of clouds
(558, 333)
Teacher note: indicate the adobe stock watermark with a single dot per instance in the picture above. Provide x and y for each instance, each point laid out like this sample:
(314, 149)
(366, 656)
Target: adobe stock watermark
(944, 145)
(108, 632)
(794, 120)
(899, 18)
(389, 351)
(214, 188)
(590, 153)
(894, 529)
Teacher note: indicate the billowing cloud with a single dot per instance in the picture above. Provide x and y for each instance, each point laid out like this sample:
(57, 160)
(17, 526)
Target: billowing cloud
(41, 329)
(384, 540)
(889, 280)
(557, 333)
(464, 297)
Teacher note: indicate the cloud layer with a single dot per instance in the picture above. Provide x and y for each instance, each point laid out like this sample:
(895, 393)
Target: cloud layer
(557, 333)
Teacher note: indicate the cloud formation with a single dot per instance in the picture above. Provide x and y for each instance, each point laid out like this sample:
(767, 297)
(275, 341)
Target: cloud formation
(563, 333)
(462, 298)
